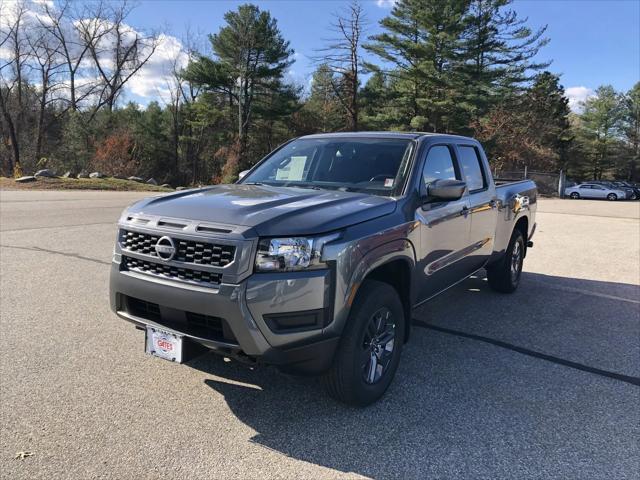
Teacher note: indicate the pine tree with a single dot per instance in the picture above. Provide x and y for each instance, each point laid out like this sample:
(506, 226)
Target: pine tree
(401, 45)
(601, 125)
(323, 103)
(631, 126)
(498, 53)
(547, 108)
(251, 59)
(529, 130)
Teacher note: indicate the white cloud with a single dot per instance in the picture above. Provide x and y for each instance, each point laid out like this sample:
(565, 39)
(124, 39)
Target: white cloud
(577, 96)
(386, 3)
(32, 13)
(155, 77)
(151, 82)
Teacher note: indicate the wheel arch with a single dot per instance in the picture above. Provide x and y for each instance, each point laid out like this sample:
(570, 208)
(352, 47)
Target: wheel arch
(391, 263)
(523, 226)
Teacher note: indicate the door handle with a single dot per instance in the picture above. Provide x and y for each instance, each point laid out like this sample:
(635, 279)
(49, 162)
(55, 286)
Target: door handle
(493, 204)
(464, 211)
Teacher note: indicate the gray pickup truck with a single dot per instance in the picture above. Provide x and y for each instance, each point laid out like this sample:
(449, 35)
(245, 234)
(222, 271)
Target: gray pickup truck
(315, 259)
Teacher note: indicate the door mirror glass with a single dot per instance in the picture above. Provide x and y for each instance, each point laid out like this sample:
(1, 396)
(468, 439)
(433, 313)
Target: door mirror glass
(446, 190)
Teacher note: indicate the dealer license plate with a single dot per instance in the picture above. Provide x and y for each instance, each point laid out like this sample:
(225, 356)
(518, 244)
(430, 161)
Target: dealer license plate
(163, 344)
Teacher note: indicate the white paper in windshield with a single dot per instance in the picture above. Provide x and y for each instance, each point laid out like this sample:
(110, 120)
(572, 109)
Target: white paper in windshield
(293, 171)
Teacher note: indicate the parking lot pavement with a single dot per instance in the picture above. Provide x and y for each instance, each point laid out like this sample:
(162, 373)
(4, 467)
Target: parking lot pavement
(538, 384)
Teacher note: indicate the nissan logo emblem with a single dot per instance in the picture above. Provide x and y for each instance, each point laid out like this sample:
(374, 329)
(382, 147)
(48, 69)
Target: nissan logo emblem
(165, 248)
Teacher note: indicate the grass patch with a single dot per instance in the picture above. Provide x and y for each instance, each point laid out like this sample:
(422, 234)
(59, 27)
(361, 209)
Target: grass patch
(114, 184)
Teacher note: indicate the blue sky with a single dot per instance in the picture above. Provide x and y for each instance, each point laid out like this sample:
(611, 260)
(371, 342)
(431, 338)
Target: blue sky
(593, 42)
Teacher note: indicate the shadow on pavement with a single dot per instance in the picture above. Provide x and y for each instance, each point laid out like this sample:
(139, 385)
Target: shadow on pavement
(466, 408)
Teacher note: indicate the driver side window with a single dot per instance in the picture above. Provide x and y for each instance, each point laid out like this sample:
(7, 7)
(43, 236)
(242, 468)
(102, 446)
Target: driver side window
(439, 165)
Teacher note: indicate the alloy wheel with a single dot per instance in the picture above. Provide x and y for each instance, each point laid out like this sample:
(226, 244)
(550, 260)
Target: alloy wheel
(516, 261)
(377, 345)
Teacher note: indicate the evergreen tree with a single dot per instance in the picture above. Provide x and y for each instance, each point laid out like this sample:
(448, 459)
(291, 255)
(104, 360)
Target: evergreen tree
(546, 108)
(529, 130)
(251, 58)
(498, 53)
(631, 129)
(74, 152)
(323, 104)
(600, 129)
(152, 142)
(401, 45)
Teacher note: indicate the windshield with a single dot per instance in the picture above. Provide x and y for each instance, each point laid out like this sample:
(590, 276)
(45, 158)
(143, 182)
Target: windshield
(377, 166)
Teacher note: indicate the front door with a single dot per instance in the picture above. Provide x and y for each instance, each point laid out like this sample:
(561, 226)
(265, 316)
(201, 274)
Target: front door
(444, 229)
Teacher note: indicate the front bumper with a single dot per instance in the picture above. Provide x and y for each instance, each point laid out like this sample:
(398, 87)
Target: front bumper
(239, 313)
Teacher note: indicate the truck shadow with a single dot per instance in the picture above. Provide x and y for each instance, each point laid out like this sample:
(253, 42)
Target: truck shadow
(465, 408)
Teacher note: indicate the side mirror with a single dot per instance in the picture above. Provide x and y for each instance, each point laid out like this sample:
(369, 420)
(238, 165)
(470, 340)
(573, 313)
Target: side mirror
(446, 190)
(242, 174)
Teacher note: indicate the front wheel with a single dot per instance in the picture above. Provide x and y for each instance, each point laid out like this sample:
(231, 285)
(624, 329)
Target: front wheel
(369, 351)
(505, 275)
(575, 195)
(612, 196)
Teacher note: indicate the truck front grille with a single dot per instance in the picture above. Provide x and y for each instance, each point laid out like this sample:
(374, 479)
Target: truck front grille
(171, 272)
(187, 251)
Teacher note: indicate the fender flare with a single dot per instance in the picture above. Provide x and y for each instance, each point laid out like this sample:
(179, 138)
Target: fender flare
(399, 249)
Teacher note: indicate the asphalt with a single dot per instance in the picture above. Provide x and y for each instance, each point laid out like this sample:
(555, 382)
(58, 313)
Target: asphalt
(539, 384)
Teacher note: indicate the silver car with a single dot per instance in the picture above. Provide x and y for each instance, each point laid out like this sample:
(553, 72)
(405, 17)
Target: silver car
(593, 190)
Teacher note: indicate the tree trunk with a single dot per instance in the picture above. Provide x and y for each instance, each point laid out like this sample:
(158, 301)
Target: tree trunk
(14, 163)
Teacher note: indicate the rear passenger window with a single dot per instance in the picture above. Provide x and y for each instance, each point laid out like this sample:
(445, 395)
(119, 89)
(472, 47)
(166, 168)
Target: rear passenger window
(439, 165)
(472, 168)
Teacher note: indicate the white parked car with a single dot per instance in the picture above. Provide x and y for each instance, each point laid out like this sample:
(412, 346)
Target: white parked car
(593, 190)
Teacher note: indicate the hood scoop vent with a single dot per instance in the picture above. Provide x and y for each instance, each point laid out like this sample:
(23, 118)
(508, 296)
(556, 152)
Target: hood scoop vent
(205, 229)
(166, 224)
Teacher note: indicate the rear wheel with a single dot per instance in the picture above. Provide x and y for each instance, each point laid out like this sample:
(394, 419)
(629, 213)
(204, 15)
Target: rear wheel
(612, 196)
(369, 351)
(505, 275)
(575, 195)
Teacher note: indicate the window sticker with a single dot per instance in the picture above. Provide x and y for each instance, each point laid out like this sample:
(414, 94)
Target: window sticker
(293, 171)
(388, 182)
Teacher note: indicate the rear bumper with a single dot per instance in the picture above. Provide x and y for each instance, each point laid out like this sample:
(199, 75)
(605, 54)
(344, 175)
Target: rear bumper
(230, 319)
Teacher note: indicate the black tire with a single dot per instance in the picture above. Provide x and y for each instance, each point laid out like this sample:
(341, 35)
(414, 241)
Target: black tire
(505, 275)
(575, 195)
(353, 377)
(612, 197)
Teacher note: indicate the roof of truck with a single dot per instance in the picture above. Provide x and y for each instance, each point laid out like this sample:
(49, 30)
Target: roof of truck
(408, 135)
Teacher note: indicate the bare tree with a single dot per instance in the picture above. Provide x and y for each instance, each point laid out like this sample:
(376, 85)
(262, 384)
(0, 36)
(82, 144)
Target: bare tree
(47, 61)
(12, 73)
(63, 23)
(117, 50)
(343, 57)
(181, 94)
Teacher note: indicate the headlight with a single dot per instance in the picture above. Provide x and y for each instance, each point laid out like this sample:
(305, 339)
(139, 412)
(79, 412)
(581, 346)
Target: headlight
(293, 253)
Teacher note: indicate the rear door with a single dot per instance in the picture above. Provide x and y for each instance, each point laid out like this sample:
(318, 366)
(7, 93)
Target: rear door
(482, 204)
(598, 191)
(444, 228)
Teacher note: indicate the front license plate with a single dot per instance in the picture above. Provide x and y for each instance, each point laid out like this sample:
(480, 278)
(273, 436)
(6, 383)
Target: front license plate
(160, 343)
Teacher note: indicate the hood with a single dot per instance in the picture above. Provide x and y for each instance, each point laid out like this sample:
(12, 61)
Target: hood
(271, 211)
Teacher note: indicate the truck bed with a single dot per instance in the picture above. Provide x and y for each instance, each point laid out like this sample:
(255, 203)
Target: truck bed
(507, 193)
